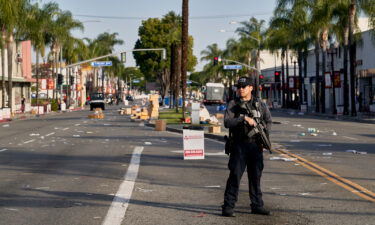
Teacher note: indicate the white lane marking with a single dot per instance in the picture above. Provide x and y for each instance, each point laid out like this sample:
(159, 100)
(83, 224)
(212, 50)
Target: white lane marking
(77, 124)
(212, 186)
(50, 134)
(26, 142)
(116, 212)
(11, 209)
(351, 138)
(66, 128)
(3, 150)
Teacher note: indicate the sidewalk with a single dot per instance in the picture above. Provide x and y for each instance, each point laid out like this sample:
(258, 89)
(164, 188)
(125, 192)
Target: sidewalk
(23, 116)
(361, 118)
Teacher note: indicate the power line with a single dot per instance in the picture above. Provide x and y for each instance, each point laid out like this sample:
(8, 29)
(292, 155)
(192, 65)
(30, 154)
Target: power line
(192, 17)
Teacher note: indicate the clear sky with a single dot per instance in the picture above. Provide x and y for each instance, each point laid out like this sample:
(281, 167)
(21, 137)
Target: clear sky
(207, 18)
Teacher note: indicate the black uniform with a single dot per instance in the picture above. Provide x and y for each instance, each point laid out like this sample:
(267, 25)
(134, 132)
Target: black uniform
(246, 152)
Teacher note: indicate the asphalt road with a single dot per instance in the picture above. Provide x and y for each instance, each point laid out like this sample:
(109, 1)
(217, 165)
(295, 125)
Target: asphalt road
(66, 169)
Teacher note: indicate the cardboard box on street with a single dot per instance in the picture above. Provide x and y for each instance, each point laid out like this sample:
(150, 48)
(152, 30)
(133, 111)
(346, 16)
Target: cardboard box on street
(160, 125)
(219, 116)
(214, 129)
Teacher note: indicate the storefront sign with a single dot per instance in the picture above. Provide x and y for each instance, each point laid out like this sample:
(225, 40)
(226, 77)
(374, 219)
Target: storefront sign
(43, 84)
(336, 79)
(50, 84)
(193, 141)
(328, 81)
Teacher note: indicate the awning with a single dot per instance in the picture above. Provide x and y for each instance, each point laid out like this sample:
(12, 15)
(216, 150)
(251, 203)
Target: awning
(17, 79)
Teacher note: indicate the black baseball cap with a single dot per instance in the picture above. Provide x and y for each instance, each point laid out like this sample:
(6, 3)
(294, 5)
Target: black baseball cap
(244, 81)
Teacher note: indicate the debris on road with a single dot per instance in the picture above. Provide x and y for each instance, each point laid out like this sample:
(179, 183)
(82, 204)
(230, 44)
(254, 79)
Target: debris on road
(305, 194)
(144, 190)
(202, 214)
(352, 151)
(362, 153)
(32, 134)
(76, 135)
(282, 159)
(148, 143)
(334, 134)
(213, 186)
(302, 134)
(6, 125)
(327, 153)
(311, 130)
(314, 134)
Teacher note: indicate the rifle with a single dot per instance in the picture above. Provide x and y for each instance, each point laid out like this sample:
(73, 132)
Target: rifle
(259, 129)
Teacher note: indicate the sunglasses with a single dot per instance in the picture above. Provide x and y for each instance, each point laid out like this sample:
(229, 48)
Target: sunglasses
(241, 86)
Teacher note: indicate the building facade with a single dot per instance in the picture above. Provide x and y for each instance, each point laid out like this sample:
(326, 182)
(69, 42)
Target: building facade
(21, 76)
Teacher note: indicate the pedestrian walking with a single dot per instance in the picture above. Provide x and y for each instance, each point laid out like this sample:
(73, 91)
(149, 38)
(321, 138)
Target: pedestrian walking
(23, 101)
(246, 152)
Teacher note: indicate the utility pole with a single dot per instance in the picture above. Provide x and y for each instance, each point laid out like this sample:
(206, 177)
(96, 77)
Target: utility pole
(185, 44)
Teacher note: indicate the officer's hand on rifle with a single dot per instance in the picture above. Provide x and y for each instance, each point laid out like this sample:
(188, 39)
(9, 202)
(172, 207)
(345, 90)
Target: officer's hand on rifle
(250, 121)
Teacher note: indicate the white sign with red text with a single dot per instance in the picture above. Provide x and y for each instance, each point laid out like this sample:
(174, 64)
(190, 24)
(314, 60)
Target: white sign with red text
(193, 144)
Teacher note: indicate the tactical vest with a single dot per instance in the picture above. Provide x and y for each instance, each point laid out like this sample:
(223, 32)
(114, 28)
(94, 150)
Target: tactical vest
(243, 131)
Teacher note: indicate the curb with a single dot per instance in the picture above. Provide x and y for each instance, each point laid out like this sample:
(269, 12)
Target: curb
(330, 116)
(175, 130)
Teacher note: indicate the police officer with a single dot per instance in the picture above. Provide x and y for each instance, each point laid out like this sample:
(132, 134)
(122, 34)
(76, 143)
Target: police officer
(246, 152)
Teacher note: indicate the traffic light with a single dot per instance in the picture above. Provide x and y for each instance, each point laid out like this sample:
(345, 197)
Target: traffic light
(216, 60)
(71, 80)
(261, 79)
(277, 76)
(59, 79)
(123, 57)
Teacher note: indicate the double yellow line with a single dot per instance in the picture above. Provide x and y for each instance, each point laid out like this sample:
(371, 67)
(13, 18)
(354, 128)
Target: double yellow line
(342, 182)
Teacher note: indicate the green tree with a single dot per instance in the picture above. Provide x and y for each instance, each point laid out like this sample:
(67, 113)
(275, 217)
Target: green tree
(11, 19)
(213, 72)
(252, 36)
(160, 33)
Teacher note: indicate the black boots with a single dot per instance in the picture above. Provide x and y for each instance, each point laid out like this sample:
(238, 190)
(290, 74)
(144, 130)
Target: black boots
(227, 211)
(260, 211)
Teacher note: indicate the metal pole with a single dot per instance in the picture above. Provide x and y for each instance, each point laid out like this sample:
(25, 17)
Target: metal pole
(332, 52)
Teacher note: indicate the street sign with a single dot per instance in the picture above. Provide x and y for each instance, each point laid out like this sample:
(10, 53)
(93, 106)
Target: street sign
(193, 141)
(135, 81)
(101, 63)
(232, 67)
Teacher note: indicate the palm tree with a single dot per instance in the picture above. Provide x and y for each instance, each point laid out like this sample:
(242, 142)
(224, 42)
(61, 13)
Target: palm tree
(208, 54)
(37, 26)
(278, 38)
(105, 43)
(60, 30)
(184, 52)
(11, 18)
(252, 34)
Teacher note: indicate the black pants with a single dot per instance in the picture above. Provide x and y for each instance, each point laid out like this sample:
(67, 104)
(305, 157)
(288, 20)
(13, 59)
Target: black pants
(245, 154)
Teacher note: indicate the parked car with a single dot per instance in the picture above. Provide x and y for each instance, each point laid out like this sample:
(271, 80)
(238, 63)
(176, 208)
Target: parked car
(129, 98)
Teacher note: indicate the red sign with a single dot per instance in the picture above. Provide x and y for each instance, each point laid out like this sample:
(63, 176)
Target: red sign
(50, 84)
(336, 79)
